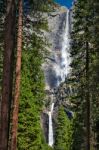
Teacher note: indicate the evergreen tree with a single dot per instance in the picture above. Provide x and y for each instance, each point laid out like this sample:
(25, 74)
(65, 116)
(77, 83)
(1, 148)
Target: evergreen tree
(30, 132)
(84, 57)
(30, 135)
(17, 79)
(63, 134)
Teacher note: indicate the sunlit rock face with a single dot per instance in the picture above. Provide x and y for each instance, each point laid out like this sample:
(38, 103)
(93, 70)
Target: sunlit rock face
(57, 66)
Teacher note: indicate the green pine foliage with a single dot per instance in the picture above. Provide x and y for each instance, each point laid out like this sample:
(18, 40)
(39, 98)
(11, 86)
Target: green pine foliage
(85, 30)
(64, 131)
(31, 101)
(30, 132)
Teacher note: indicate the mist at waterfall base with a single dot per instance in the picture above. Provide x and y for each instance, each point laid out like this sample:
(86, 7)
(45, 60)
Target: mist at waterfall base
(61, 67)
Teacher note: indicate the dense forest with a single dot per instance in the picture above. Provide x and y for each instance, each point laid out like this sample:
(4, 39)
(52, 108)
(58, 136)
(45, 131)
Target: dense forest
(23, 98)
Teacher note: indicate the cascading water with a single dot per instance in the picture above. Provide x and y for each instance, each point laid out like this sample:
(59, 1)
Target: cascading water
(50, 138)
(61, 68)
(65, 68)
(63, 60)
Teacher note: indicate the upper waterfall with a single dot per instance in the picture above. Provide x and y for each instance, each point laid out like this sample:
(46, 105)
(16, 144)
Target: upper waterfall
(58, 62)
(64, 61)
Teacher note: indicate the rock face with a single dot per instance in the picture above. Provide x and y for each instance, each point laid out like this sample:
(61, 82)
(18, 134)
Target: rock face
(44, 120)
(54, 66)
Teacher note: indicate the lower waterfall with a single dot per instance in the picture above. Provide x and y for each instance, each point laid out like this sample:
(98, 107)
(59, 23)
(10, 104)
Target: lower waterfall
(50, 137)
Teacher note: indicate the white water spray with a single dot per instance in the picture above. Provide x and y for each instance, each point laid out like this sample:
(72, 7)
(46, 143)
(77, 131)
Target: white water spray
(50, 138)
(62, 66)
(65, 63)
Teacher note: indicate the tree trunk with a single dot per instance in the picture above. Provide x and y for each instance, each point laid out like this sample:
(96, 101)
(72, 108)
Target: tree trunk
(9, 43)
(17, 82)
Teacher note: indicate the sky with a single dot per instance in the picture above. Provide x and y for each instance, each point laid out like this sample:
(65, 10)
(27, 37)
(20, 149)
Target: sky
(67, 3)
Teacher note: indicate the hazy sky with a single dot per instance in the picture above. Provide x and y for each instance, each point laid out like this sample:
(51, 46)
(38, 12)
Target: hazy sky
(67, 3)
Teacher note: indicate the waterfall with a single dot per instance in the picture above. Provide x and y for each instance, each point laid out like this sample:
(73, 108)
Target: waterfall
(50, 138)
(61, 68)
(65, 55)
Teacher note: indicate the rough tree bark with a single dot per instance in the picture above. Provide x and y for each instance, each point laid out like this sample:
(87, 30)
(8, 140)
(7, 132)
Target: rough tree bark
(9, 43)
(17, 82)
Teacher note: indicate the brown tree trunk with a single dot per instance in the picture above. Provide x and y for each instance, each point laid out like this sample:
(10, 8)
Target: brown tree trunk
(17, 82)
(9, 43)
